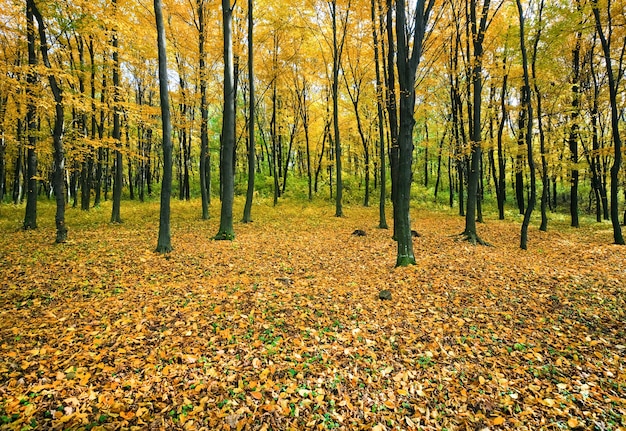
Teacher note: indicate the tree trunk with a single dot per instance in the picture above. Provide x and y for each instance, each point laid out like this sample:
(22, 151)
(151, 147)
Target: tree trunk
(542, 138)
(519, 163)
(337, 51)
(87, 163)
(382, 217)
(439, 157)
(409, 56)
(119, 172)
(3, 145)
(605, 39)
(527, 105)
(247, 211)
(164, 242)
(101, 151)
(17, 187)
(595, 163)
(57, 134)
(392, 112)
(478, 35)
(30, 217)
(204, 113)
(303, 111)
(499, 179)
(226, 231)
(131, 188)
(574, 133)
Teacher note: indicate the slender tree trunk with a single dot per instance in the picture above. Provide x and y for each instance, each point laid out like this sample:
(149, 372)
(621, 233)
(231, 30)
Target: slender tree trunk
(101, 150)
(392, 111)
(439, 157)
(595, 162)
(382, 217)
(292, 136)
(605, 39)
(478, 29)
(17, 172)
(574, 132)
(303, 111)
(337, 51)
(30, 217)
(164, 242)
(87, 163)
(527, 105)
(321, 155)
(519, 163)
(204, 113)
(129, 160)
(3, 174)
(57, 134)
(247, 211)
(226, 231)
(500, 179)
(542, 138)
(119, 170)
(275, 140)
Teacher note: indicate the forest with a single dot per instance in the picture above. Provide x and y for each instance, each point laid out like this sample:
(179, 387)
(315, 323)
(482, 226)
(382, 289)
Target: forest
(511, 104)
(368, 214)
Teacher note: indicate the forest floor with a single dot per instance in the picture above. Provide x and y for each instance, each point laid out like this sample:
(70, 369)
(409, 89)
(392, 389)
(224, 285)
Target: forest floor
(283, 327)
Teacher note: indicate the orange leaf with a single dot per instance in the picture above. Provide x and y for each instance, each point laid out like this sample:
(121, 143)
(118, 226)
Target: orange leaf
(127, 415)
(499, 420)
(573, 422)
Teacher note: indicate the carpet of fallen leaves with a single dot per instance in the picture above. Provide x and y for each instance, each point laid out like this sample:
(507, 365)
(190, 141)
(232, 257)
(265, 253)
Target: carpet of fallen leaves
(283, 328)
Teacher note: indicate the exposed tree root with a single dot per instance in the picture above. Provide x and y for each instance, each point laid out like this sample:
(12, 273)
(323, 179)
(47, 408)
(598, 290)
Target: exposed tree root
(224, 236)
(472, 238)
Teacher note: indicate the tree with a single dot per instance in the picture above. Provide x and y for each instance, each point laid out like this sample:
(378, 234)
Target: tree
(205, 160)
(392, 112)
(337, 52)
(479, 21)
(528, 133)
(164, 243)
(30, 217)
(302, 92)
(247, 217)
(3, 174)
(542, 136)
(382, 218)
(226, 231)
(117, 134)
(573, 137)
(408, 59)
(356, 89)
(57, 133)
(606, 41)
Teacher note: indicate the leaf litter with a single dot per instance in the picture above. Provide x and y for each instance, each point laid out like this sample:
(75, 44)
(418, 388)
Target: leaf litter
(283, 327)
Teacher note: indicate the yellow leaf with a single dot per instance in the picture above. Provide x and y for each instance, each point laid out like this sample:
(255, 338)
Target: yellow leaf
(264, 374)
(403, 392)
